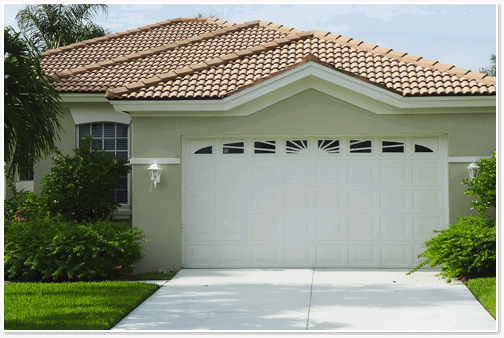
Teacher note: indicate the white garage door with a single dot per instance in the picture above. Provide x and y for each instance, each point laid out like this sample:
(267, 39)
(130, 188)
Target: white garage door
(312, 201)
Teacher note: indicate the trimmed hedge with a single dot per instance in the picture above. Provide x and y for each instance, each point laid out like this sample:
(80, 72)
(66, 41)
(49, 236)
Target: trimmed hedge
(49, 250)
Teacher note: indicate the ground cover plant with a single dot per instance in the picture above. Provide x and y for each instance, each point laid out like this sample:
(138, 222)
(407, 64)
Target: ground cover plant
(71, 306)
(485, 290)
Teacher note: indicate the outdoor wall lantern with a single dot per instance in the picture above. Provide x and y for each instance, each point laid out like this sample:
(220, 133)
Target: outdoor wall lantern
(473, 169)
(155, 173)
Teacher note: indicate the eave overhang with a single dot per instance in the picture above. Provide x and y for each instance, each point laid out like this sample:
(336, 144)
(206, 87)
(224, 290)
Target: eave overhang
(309, 75)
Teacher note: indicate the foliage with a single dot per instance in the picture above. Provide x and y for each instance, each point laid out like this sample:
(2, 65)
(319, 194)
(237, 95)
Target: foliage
(24, 205)
(200, 15)
(50, 250)
(31, 103)
(71, 306)
(50, 26)
(466, 248)
(79, 187)
(485, 290)
(492, 70)
(484, 185)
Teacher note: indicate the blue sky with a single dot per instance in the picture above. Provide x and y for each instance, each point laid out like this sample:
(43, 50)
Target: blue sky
(460, 34)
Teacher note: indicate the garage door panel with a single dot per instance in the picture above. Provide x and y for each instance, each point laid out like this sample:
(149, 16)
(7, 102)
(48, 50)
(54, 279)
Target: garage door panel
(423, 227)
(295, 228)
(312, 201)
(233, 228)
(297, 200)
(264, 255)
(201, 175)
(233, 174)
(297, 255)
(234, 255)
(330, 228)
(394, 200)
(362, 255)
(329, 200)
(265, 228)
(362, 173)
(295, 174)
(394, 228)
(362, 201)
(201, 202)
(329, 255)
(426, 201)
(394, 173)
(200, 228)
(329, 173)
(266, 201)
(362, 228)
(395, 254)
(426, 173)
(233, 201)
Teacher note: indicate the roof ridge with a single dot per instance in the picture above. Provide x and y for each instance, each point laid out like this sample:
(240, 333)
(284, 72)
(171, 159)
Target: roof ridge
(405, 57)
(132, 31)
(113, 93)
(125, 58)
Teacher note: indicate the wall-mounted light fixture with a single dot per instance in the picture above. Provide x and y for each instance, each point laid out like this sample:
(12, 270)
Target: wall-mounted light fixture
(473, 169)
(155, 173)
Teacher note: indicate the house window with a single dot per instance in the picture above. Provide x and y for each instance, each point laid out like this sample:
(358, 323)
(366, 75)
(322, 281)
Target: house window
(113, 138)
(296, 147)
(264, 147)
(392, 147)
(360, 146)
(233, 148)
(26, 174)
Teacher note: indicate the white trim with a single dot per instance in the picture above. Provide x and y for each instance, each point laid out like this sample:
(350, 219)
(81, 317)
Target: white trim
(93, 113)
(310, 75)
(83, 97)
(151, 160)
(466, 159)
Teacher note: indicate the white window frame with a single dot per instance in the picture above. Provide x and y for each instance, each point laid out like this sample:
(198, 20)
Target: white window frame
(128, 179)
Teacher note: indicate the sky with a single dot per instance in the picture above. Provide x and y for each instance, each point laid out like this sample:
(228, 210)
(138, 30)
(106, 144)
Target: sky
(460, 34)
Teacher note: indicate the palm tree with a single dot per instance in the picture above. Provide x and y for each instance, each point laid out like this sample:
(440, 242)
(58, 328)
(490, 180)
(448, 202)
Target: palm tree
(31, 105)
(492, 70)
(51, 26)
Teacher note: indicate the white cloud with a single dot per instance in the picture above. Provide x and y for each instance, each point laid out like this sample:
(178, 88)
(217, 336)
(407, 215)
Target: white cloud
(483, 44)
(463, 60)
(443, 42)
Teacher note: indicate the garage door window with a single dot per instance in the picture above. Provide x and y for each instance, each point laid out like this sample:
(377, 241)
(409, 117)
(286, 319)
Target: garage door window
(360, 146)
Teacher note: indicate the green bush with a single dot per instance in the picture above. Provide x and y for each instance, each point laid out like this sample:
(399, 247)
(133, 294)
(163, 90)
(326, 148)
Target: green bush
(23, 206)
(79, 187)
(466, 248)
(484, 185)
(50, 250)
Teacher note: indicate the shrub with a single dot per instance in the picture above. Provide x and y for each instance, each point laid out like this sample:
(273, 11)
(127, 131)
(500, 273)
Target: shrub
(466, 248)
(484, 185)
(51, 250)
(79, 187)
(25, 205)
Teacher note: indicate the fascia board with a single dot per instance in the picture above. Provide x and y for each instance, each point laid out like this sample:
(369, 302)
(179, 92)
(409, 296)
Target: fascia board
(84, 97)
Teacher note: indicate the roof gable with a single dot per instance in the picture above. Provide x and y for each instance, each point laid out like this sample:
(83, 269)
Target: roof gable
(212, 59)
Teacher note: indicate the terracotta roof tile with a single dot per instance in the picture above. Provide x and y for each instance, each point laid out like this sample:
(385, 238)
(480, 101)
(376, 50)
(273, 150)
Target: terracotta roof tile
(207, 58)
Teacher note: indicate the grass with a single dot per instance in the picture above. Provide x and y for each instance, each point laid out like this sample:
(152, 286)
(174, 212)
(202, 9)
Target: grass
(71, 306)
(484, 289)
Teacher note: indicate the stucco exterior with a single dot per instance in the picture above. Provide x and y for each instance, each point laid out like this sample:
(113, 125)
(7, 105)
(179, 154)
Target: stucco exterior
(158, 211)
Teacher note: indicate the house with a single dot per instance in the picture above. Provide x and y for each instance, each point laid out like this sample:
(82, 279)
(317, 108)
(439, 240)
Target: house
(279, 148)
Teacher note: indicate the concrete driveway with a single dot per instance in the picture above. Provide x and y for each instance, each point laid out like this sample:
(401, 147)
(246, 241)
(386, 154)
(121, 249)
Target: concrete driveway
(310, 299)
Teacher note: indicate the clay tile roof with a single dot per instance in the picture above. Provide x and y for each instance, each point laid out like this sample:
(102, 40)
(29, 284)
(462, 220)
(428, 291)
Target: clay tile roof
(207, 58)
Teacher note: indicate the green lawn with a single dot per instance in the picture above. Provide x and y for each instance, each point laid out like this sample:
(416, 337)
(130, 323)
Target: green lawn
(71, 306)
(484, 289)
